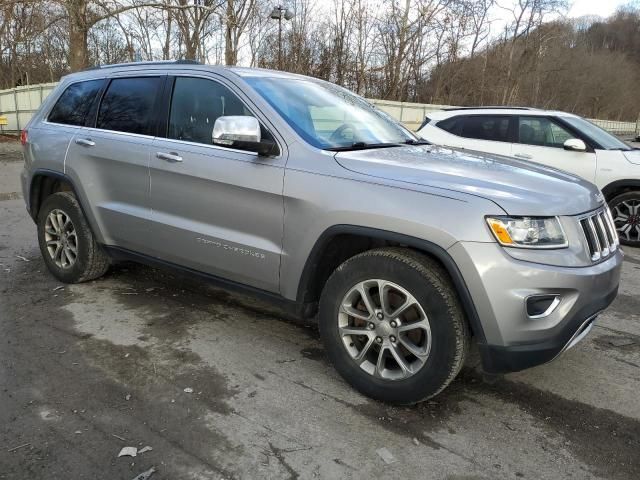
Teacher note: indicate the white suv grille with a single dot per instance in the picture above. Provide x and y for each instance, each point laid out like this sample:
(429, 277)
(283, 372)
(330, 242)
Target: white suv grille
(600, 233)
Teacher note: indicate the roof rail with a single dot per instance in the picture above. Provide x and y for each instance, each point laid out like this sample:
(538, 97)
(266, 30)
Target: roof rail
(500, 107)
(157, 62)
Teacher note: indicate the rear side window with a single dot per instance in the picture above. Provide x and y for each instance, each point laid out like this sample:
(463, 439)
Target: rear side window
(127, 105)
(424, 123)
(483, 127)
(450, 125)
(74, 104)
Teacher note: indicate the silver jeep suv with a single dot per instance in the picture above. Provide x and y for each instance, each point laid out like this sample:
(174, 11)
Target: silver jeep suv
(303, 193)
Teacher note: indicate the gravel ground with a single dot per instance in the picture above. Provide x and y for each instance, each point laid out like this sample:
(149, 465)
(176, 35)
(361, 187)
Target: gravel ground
(88, 369)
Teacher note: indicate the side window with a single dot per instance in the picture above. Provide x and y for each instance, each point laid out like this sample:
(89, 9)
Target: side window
(559, 135)
(450, 125)
(196, 104)
(127, 105)
(485, 127)
(542, 132)
(74, 104)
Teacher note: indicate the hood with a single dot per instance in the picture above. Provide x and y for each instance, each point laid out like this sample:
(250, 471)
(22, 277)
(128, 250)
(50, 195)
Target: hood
(633, 156)
(519, 187)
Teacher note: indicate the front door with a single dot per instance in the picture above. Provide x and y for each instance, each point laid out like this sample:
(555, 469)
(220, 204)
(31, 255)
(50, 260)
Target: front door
(215, 209)
(541, 140)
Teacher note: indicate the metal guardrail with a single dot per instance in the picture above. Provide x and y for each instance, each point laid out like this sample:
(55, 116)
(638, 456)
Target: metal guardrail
(619, 128)
(20, 103)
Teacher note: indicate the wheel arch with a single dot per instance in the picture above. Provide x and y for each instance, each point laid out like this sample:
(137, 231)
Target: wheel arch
(45, 182)
(340, 242)
(620, 186)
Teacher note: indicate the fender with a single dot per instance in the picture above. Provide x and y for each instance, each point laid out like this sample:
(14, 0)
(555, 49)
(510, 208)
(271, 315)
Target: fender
(618, 184)
(34, 193)
(417, 243)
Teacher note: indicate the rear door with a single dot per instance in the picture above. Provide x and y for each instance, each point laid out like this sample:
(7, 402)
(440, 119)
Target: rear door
(110, 160)
(215, 209)
(50, 138)
(484, 133)
(541, 140)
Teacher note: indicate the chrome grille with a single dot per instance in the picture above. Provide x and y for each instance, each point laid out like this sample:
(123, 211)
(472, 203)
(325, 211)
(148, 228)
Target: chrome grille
(600, 233)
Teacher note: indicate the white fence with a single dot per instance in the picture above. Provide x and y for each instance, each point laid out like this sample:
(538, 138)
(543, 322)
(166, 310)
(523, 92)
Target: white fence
(20, 103)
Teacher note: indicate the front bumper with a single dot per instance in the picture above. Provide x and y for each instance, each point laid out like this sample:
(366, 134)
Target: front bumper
(499, 285)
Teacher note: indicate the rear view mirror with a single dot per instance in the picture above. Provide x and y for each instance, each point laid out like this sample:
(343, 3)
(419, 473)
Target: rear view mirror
(575, 145)
(243, 133)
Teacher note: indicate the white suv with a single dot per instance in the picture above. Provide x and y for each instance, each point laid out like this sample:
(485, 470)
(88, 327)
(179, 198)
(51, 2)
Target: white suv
(558, 139)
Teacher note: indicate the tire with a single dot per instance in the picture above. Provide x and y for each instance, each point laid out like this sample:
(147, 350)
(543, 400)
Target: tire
(627, 205)
(70, 228)
(400, 273)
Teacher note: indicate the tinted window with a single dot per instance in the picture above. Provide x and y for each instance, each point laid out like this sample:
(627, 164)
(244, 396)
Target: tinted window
(483, 127)
(424, 123)
(195, 106)
(127, 105)
(542, 131)
(74, 104)
(450, 125)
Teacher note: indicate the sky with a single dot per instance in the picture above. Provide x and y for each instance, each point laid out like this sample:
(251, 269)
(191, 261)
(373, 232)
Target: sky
(604, 8)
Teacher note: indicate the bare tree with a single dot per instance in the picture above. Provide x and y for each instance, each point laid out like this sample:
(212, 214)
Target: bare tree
(235, 20)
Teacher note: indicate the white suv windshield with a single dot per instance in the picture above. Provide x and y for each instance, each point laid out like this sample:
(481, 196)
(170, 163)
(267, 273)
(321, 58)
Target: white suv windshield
(604, 138)
(328, 116)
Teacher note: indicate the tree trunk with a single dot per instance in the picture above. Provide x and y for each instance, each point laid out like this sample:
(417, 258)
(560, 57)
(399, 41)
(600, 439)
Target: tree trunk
(78, 34)
(78, 47)
(230, 53)
(191, 47)
(166, 48)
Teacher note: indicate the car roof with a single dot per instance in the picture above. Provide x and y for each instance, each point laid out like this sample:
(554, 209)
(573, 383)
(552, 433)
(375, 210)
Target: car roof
(454, 112)
(168, 65)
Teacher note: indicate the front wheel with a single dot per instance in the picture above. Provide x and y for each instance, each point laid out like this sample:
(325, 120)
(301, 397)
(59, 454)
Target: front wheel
(625, 209)
(392, 325)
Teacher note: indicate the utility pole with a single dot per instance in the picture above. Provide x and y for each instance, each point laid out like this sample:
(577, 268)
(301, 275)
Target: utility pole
(278, 13)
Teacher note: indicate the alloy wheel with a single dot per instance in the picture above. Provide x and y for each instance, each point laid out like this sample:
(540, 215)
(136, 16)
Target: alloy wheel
(384, 329)
(626, 216)
(61, 239)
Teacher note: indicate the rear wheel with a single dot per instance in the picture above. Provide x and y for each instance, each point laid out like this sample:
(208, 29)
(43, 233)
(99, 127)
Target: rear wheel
(392, 325)
(625, 209)
(67, 244)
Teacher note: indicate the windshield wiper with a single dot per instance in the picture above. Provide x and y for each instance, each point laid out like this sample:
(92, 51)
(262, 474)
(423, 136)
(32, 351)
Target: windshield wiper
(417, 142)
(361, 146)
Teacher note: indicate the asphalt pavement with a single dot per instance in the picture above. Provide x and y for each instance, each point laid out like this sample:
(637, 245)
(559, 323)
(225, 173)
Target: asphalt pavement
(221, 386)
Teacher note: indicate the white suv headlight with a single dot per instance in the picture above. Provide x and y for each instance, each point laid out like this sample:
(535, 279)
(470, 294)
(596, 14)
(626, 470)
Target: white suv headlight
(528, 232)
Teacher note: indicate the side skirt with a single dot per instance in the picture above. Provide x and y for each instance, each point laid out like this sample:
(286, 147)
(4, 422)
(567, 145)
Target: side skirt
(290, 307)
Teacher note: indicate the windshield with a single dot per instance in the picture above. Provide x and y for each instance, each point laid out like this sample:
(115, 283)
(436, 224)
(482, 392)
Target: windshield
(604, 138)
(328, 116)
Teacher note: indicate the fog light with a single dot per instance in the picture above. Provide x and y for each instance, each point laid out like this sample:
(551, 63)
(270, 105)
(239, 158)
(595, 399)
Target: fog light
(539, 306)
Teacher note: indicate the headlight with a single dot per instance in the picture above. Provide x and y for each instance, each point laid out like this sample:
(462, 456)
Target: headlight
(528, 232)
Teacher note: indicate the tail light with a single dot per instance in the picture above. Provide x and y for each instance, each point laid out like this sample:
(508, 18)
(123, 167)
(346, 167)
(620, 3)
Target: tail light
(24, 137)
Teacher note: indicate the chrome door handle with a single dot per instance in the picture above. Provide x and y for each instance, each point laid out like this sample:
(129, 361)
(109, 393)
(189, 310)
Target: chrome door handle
(85, 142)
(169, 157)
(525, 156)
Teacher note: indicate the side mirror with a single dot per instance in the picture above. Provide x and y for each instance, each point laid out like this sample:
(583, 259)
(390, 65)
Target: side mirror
(243, 133)
(575, 145)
